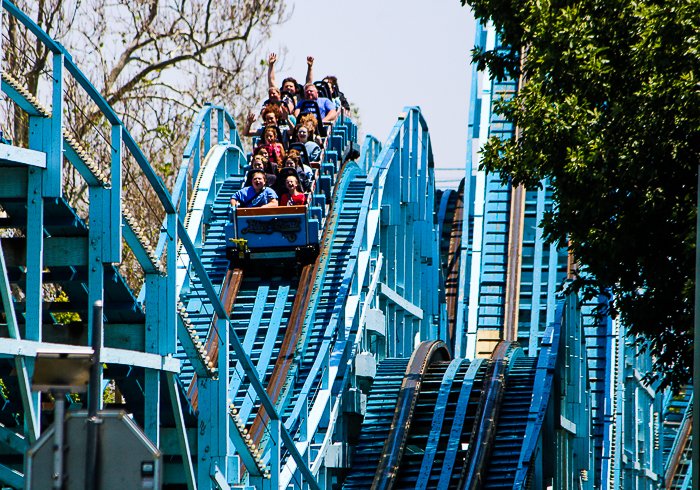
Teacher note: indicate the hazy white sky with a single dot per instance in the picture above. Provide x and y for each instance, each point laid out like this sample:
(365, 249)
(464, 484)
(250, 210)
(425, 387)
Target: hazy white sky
(388, 54)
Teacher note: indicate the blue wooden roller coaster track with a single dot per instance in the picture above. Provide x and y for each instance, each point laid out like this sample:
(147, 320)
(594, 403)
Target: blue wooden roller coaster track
(267, 377)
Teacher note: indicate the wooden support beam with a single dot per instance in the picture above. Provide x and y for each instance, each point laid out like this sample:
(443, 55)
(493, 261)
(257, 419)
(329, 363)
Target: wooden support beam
(400, 301)
(128, 336)
(14, 156)
(109, 355)
(13, 478)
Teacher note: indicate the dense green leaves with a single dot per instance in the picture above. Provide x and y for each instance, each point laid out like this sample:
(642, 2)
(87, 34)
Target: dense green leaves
(610, 113)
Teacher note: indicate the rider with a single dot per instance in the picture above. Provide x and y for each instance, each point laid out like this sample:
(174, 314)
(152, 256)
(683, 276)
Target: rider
(256, 195)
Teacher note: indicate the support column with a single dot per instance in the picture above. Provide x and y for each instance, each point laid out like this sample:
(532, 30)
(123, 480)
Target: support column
(181, 432)
(31, 426)
(112, 246)
(214, 419)
(170, 300)
(35, 263)
(154, 286)
(223, 419)
(274, 445)
(96, 273)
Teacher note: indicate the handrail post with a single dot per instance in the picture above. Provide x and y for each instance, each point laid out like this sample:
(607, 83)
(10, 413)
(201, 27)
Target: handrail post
(207, 133)
(170, 344)
(53, 180)
(113, 247)
(220, 126)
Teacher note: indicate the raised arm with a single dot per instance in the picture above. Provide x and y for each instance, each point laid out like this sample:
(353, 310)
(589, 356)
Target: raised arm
(310, 69)
(248, 123)
(271, 70)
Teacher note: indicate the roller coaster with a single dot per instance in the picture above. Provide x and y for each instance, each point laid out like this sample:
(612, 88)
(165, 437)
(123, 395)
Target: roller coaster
(398, 357)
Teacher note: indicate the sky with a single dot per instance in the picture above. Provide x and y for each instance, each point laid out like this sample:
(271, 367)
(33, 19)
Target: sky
(389, 54)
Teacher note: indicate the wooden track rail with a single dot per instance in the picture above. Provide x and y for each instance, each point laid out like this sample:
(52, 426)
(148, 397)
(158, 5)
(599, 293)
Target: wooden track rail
(452, 275)
(286, 357)
(684, 439)
(408, 396)
(229, 291)
(486, 420)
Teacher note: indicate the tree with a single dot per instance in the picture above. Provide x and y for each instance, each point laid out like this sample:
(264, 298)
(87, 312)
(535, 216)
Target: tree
(609, 111)
(156, 62)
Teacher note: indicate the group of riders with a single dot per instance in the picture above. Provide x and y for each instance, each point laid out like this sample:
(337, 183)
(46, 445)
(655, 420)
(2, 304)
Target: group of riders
(289, 142)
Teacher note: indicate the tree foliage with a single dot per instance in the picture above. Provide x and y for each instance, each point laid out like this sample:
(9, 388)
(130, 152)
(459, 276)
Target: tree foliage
(609, 111)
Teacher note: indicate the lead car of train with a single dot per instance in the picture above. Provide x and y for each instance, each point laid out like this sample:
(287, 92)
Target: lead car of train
(290, 233)
(272, 234)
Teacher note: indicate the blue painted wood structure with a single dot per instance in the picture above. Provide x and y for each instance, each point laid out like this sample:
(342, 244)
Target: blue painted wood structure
(197, 352)
(498, 234)
(538, 269)
(511, 421)
(195, 369)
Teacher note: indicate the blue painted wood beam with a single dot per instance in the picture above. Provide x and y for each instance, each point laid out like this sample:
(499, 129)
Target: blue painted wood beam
(458, 424)
(35, 258)
(20, 100)
(110, 355)
(80, 165)
(188, 345)
(436, 425)
(268, 345)
(53, 180)
(13, 478)
(112, 211)
(14, 155)
(400, 301)
(141, 254)
(58, 252)
(242, 356)
(12, 439)
(30, 421)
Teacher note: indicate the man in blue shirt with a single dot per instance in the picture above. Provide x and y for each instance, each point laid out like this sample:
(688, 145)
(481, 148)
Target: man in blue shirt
(327, 107)
(257, 195)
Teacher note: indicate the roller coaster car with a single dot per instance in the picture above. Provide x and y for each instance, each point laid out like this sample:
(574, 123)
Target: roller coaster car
(271, 234)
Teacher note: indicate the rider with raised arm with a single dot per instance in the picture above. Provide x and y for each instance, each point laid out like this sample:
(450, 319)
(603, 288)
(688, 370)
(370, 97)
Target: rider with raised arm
(289, 84)
(326, 106)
